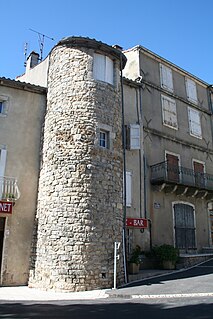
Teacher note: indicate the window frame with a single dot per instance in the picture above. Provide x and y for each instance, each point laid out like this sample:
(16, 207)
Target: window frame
(164, 110)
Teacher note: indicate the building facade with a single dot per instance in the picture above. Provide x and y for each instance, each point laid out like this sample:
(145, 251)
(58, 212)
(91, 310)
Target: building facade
(85, 148)
(177, 122)
(22, 108)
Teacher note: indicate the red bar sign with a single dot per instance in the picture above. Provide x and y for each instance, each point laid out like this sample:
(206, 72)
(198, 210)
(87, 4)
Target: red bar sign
(136, 223)
(6, 207)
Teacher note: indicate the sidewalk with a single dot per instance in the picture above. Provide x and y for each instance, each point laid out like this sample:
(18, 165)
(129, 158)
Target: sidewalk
(24, 293)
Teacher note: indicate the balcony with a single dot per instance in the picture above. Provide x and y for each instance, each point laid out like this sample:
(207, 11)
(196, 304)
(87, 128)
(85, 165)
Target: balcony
(181, 181)
(9, 189)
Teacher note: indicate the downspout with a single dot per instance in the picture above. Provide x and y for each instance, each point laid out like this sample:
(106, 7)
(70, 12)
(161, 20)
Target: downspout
(140, 153)
(124, 173)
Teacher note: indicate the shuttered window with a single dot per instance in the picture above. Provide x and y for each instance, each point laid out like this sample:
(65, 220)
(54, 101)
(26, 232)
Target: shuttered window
(128, 189)
(103, 69)
(3, 155)
(191, 90)
(166, 78)
(169, 112)
(194, 122)
(134, 136)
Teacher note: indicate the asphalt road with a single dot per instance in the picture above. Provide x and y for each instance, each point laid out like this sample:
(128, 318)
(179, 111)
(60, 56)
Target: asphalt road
(182, 295)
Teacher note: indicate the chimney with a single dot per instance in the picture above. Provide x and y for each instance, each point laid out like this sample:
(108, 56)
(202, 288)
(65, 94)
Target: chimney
(32, 60)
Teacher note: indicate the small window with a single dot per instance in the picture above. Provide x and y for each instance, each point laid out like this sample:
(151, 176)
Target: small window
(128, 189)
(191, 90)
(166, 78)
(194, 122)
(104, 139)
(133, 137)
(169, 112)
(103, 69)
(3, 105)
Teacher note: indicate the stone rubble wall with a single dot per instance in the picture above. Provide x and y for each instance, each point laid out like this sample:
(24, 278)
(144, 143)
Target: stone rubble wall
(80, 189)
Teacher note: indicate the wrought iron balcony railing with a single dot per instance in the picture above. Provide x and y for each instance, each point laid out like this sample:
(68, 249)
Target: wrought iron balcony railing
(9, 189)
(166, 173)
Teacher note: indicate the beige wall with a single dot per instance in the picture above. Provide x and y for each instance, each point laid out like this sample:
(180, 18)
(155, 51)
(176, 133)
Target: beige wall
(20, 131)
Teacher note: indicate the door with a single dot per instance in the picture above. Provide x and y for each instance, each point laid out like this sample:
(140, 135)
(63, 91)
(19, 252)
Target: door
(2, 227)
(172, 168)
(211, 227)
(184, 226)
(199, 174)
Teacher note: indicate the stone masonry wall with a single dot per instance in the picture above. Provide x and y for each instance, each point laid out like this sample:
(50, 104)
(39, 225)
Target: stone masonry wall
(80, 189)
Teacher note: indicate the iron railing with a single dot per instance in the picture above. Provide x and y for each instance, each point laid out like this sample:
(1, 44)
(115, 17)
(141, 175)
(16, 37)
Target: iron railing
(165, 172)
(9, 189)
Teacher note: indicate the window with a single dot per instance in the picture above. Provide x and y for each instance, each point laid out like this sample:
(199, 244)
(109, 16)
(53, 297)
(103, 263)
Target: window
(3, 155)
(3, 105)
(199, 173)
(191, 90)
(169, 112)
(128, 189)
(166, 78)
(173, 173)
(133, 137)
(103, 68)
(194, 123)
(104, 139)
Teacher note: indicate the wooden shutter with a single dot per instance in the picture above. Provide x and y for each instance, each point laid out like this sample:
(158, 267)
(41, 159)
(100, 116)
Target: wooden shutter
(169, 112)
(109, 71)
(199, 174)
(191, 90)
(194, 122)
(3, 156)
(166, 77)
(172, 167)
(99, 67)
(134, 136)
(128, 189)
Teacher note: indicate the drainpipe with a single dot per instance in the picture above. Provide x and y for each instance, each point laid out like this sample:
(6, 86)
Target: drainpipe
(124, 173)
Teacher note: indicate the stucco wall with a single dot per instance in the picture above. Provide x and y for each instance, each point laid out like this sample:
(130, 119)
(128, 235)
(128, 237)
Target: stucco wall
(20, 132)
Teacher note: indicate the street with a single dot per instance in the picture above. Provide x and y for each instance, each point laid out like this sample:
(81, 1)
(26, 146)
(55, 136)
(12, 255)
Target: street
(185, 294)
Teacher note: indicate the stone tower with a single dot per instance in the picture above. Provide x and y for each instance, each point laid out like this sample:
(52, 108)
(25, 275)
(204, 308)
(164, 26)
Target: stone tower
(79, 211)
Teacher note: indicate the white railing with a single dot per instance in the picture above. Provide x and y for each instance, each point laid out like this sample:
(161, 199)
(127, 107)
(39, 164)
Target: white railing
(9, 188)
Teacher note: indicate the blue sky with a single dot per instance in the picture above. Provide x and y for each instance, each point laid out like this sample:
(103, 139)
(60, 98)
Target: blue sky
(178, 30)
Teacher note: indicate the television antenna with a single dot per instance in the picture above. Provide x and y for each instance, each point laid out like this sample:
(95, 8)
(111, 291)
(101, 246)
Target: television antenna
(41, 38)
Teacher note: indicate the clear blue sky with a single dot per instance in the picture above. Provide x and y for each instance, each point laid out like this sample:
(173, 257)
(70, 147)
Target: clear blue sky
(178, 30)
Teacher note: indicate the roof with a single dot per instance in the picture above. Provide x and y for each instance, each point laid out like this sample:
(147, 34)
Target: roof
(161, 59)
(22, 85)
(94, 44)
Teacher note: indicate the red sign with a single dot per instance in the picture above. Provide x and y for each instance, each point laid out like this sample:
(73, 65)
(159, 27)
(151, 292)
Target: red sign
(6, 207)
(136, 223)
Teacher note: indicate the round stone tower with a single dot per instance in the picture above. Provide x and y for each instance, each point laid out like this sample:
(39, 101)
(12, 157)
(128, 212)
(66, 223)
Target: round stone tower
(80, 189)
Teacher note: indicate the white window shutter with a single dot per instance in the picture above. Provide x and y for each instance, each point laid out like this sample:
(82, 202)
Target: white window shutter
(109, 71)
(3, 156)
(128, 189)
(194, 122)
(134, 136)
(99, 67)
(166, 78)
(169, 112)
(191, 90)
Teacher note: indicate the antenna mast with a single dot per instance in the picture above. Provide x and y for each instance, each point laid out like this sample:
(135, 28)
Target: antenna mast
(41, 38)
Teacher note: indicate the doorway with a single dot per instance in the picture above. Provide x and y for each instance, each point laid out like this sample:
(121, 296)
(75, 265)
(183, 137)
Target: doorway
(184, 220)
(2, 228)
